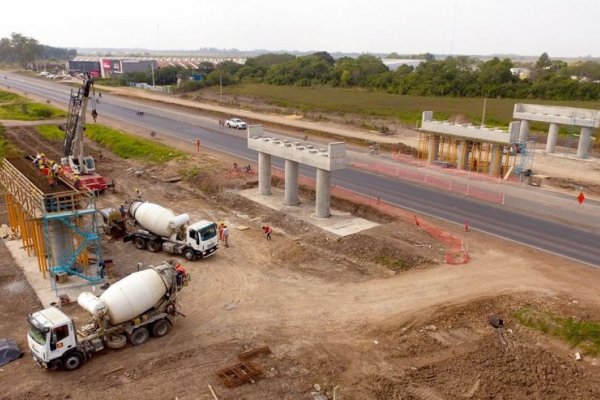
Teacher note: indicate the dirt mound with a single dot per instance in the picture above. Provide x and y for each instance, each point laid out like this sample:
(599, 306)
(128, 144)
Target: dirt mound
(459, 119)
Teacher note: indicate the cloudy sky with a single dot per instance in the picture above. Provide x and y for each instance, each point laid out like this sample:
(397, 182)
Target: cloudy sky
(525, 27)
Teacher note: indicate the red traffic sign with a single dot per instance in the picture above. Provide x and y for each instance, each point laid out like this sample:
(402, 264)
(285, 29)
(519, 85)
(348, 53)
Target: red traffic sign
(580, 198)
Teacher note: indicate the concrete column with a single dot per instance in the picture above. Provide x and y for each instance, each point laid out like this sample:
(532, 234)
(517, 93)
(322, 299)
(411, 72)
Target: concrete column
(496, 159)
(61, 242)
(523, 131)
(552, 135)
(322, 193)
(464, 150)
(264, 174)
(291, 183)
(433, 148)
(583, 147)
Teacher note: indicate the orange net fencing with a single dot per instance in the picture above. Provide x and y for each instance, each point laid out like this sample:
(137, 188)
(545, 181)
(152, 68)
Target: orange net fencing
(456, 250)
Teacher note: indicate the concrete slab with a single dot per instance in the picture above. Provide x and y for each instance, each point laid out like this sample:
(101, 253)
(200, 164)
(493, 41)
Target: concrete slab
(340, 223)
(42, 287)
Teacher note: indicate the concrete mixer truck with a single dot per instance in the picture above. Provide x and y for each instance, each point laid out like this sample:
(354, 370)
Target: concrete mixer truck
(158, 228)
(138, 305)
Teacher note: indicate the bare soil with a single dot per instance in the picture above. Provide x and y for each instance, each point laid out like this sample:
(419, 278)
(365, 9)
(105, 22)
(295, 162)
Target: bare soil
(337, 318)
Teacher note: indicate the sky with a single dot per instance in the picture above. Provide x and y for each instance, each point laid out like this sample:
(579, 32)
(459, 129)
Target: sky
(562, 28)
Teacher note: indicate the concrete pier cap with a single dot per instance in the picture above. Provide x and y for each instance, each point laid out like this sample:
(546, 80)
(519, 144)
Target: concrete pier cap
(583, 118)
(470, 132)
(324, 160)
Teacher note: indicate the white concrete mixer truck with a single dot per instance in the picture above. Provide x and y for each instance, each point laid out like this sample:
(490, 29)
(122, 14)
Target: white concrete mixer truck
(158, 228)
(138, 305)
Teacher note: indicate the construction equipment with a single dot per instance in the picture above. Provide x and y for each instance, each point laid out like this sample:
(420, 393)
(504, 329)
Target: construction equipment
(140, 304)
(158, 228)
(76, 165)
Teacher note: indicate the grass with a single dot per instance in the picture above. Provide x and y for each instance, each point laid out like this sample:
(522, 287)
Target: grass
(50, 132)
(15, 107)
(131, 147)
(6, 148)
(391, 263)
(583, 334)
(406, 109)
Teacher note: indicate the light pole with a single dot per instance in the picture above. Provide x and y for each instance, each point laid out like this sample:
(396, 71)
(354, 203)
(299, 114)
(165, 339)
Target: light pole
(221, 86)
(152, 69)
(483, 115)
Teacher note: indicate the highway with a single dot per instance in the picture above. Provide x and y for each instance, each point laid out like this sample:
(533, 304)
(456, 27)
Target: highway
(550, 236)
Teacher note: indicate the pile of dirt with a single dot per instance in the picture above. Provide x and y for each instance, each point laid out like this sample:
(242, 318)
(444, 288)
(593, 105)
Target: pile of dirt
(459, 119)
(456, 353)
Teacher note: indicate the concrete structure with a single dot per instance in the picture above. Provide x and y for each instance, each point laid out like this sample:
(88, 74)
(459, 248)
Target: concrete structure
(295, 153)
(469, 138)
(556, 116)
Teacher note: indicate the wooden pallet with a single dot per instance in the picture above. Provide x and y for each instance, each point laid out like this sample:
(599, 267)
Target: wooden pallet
(239, 374)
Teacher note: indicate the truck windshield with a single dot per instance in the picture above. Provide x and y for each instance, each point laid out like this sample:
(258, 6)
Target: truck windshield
(208, 233)
(37, 335)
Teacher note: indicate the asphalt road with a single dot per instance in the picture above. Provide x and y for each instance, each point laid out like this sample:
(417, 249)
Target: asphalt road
(551, 236)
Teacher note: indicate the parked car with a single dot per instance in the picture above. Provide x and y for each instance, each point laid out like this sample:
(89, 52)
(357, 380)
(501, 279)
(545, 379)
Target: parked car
(235, 123)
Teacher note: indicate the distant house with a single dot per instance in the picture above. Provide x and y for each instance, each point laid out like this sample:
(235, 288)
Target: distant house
(521, 73)
(395, 63)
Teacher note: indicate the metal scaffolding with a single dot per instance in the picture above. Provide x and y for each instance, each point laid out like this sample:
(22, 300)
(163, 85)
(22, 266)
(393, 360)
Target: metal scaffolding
(59, 227)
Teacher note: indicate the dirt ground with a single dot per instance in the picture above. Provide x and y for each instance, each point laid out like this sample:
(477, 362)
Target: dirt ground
(339, 323)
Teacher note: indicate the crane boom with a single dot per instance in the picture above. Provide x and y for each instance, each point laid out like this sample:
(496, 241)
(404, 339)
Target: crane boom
(73, 146)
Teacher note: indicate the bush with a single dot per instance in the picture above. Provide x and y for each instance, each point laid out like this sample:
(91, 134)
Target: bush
(189, 86)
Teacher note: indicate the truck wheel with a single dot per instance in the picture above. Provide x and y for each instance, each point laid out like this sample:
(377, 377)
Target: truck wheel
(160, 328)
(153, 246)
(139, 243)
(139, 336)
(72, 361)
(189, 254)
(116, 341)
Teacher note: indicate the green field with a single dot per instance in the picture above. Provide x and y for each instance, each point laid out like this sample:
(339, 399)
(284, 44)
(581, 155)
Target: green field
(582, 334)
(407, 109)
(131, 147)
(15, 107)
(122, 144)
(50, 132)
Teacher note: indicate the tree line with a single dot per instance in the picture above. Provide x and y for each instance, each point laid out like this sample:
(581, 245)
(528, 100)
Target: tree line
(26, 51)
(456, 76)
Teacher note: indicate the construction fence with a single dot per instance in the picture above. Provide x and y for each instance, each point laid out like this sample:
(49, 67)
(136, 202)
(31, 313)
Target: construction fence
(434, 180)
(456, 249)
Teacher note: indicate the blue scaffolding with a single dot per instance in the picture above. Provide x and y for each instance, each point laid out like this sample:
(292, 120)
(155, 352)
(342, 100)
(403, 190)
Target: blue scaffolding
(525, 160)
(81, 255)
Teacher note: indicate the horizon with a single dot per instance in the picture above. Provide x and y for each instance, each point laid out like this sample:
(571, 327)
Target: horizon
(461, 27)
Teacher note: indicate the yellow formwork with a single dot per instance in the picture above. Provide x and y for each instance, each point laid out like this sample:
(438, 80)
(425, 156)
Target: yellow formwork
(29, 230)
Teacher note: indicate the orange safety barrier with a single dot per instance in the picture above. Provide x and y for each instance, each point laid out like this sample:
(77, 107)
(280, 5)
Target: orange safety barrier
(433, 180)
(456, 251)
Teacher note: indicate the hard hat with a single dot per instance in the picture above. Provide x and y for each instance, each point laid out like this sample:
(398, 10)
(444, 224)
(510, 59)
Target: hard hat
(76, 176)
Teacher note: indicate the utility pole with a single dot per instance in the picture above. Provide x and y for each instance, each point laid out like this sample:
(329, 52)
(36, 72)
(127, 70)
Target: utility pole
(483, 115)
(152, 68)
(221, 86)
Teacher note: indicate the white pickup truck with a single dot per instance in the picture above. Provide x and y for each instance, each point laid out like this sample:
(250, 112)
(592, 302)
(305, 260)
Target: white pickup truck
(235, 123)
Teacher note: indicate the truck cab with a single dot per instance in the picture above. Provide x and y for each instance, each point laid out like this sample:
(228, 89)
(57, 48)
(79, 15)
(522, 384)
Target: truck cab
(52, 339)
(202, 238)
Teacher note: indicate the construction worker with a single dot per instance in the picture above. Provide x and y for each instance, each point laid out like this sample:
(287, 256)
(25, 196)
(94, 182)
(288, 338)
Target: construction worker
(225, 236)
(122, 211)
(37, 159)
(220, 230)
(181, 274)
(138, 193)
(77, 182)
(267, 230)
